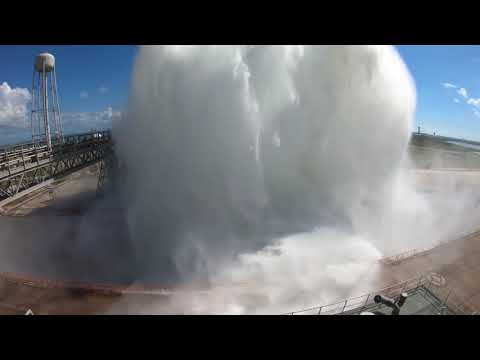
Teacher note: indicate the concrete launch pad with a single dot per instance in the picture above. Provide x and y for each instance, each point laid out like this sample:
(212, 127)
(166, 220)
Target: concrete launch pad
(457, 262)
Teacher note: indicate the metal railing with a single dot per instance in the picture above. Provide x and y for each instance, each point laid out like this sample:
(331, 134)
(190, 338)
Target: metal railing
(410, 254)
(359, 303)
(448, 300)
(24, 166)
(19, 157)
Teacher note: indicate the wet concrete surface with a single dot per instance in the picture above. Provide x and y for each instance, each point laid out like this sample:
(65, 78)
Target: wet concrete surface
(46, 252)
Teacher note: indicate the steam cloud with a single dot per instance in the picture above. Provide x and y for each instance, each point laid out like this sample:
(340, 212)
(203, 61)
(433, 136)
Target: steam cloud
(274, 173)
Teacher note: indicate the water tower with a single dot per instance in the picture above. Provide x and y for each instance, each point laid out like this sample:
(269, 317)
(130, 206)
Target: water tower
(46, 122)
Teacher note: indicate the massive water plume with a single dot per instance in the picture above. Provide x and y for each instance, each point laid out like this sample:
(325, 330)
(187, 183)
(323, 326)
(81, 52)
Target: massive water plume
(280, 168)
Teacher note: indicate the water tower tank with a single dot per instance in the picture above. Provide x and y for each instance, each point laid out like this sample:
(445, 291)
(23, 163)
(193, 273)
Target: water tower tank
(44, 59)
(45, 115)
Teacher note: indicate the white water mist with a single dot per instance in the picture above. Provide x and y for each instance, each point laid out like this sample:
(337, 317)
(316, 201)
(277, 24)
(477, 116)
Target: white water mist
(278, 167)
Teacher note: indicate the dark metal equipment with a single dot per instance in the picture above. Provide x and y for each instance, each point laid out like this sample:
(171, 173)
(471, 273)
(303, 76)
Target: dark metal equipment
(395, 305)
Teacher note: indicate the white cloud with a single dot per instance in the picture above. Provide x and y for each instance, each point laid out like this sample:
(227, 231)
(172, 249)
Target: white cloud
(462, 92)
(108, 112)
(14, 105)
(102, 89)
(85, 121)
(83, 94)
(474, 102)
(449, 86)
(456, 100)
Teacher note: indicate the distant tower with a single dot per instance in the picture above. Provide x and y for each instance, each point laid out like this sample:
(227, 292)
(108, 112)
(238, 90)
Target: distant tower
(46, 123)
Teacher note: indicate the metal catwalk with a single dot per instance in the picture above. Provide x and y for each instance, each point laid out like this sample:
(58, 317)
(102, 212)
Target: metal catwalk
(27, 165)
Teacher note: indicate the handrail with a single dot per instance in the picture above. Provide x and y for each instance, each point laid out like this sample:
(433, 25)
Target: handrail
(106, 133)
(395, 259)
(11, 156)
(346, 305)
(409, 254)
(367, 295)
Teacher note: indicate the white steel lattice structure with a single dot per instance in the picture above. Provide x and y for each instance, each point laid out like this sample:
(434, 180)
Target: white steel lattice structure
(46, 123)
(24, 166)
(50, 155)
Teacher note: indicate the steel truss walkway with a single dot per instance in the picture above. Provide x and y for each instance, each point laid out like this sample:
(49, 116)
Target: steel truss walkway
(25, 166)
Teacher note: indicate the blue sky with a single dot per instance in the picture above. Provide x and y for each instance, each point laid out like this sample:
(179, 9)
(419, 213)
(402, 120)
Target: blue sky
(79, 69)
(93, 78)
(432, 67)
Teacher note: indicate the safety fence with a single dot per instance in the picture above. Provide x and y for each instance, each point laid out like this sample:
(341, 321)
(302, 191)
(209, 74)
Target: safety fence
(359, 303)
(410, 254)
